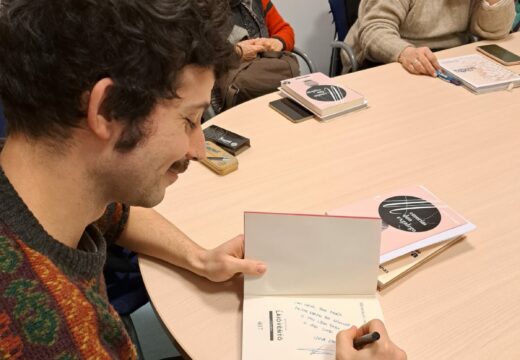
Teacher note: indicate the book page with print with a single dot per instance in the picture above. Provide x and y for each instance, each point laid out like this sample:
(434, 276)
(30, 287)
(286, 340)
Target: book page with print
(479, 71)
(280, 328)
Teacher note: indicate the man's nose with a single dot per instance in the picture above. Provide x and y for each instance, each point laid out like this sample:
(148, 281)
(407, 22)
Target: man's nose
(197, 148)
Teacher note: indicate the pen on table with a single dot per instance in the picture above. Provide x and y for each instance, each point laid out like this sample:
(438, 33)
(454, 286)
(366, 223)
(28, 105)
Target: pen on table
(366, 339)
(447, 78)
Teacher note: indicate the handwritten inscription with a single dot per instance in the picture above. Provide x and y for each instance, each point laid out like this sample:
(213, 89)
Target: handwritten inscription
(324, 320)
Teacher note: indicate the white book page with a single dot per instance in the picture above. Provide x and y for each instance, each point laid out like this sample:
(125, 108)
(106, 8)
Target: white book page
(312, 254)
(479, 71)
(278, 327)
(448, 234)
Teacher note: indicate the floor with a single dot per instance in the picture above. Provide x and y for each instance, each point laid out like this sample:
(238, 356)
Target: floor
(155, 342)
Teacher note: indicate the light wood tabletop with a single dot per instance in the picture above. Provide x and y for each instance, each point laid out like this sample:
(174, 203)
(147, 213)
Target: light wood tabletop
(465, 148)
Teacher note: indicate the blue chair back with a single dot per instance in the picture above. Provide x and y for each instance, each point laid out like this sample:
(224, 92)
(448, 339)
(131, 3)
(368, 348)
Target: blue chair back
(344, 15)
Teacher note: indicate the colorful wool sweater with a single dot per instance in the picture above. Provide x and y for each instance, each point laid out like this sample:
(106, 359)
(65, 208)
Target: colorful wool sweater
(53, 302)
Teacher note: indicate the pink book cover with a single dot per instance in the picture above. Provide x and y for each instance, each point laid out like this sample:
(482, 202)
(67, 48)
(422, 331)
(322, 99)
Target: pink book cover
(412, 218)
(321, 92)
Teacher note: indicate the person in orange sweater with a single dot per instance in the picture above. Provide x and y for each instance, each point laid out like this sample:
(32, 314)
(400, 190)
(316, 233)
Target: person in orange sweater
(259, 27)
(259, 31)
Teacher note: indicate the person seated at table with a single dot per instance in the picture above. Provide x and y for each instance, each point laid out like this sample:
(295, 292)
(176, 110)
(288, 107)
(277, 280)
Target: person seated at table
(94, 124)
(382, 349)
(259, 30)
(408, 31)
(259, 27)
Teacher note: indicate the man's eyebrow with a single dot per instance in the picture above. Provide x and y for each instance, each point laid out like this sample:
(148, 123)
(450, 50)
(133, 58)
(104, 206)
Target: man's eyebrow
(196, 106)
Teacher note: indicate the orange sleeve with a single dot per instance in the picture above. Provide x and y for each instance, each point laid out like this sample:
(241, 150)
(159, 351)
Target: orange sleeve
(278, 28)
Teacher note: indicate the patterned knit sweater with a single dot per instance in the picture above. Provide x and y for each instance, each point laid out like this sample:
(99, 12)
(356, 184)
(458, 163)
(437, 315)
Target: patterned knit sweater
(53, 302)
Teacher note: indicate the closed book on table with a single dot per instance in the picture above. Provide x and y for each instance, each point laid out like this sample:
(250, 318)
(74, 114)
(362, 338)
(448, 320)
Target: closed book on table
(322, 95)
(480, 74)
(413, 218)
(395, 269)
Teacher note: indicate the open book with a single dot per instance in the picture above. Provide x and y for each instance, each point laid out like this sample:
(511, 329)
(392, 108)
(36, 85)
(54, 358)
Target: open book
(480, 74)
(412, 219)
(322, 95)
(321, 278)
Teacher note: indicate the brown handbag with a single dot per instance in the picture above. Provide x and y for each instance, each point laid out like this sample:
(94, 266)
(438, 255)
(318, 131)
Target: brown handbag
(258, 77)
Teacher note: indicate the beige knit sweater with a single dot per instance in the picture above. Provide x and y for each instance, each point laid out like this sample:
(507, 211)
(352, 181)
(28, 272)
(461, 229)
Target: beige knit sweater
(386, 27)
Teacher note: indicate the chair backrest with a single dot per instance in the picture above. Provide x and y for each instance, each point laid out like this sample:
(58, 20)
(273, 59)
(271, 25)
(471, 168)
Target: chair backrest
(344, 15)
(2, 122)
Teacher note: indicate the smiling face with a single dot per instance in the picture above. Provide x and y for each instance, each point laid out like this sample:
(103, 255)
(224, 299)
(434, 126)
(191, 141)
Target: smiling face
(175, 137)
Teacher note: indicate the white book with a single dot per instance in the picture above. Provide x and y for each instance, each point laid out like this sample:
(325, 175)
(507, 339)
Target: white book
(480, 74)
(321, 278)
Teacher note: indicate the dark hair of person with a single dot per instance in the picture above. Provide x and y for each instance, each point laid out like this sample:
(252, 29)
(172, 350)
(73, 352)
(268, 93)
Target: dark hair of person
(52, 52)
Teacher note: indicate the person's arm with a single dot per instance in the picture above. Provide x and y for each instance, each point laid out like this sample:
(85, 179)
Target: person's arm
(147, 232)
(278, 28)
(379, 23)
(382, 349)
(492, 19)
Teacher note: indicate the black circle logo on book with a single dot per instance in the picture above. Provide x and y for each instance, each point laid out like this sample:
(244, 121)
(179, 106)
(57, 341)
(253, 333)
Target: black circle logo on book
(409, 213)
(326, 92)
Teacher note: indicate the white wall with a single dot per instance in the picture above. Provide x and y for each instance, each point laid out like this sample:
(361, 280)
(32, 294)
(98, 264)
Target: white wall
(312, 24)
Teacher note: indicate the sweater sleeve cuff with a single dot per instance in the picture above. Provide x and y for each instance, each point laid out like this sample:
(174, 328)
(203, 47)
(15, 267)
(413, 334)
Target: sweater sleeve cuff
(488, 6)
(388, 51)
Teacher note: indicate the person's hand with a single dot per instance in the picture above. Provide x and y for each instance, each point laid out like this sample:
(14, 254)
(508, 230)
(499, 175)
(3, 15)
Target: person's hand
(226, 260)
(419, 61)
(248, 49)
(269, 44)
(382, 349)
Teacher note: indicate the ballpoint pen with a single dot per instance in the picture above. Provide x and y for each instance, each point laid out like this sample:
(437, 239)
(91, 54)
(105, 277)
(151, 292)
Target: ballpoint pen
(366, 339)
(447, 78)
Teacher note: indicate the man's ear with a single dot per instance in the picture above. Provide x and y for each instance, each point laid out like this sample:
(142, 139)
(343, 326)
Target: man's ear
(97, 120)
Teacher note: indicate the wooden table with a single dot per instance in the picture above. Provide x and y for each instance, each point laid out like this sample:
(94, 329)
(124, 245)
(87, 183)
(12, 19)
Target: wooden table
(464, 304)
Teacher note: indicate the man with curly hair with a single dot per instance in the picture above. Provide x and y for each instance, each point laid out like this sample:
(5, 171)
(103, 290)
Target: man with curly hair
(103, 101)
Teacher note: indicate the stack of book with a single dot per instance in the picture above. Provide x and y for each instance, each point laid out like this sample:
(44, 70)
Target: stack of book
(479, 74)
(322, 96)
(416, 227)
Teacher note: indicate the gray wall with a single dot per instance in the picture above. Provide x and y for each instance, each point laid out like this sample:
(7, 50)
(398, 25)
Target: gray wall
(312, 24)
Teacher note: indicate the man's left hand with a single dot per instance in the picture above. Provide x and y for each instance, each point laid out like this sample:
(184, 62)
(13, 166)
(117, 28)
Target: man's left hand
(224, 261)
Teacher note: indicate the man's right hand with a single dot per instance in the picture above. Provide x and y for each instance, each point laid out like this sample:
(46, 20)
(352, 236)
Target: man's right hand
(382, 349)
(419, 61)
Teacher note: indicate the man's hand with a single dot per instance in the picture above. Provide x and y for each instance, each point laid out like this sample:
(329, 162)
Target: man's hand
(226, 260)
(382, 349)
(419, 61)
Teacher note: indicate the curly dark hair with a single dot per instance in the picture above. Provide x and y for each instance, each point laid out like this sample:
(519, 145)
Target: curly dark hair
(54, 51)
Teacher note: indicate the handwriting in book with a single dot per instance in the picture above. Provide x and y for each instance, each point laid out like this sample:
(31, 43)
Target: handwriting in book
(318, 351)
(327, 321)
